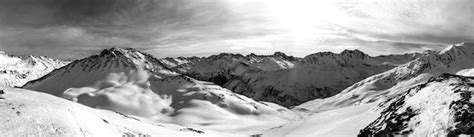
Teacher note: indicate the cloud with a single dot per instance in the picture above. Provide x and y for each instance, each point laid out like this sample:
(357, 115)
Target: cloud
(78, 28)
(426, 21)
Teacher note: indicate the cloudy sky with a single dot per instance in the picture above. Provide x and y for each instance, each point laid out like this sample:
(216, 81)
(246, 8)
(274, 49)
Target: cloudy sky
(78, 28)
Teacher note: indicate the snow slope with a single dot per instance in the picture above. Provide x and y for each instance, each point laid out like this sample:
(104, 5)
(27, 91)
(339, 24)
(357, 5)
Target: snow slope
(441, 107)
(30, 113)
(456, 59)
(17, 70)
(135, 83)
(342, 122)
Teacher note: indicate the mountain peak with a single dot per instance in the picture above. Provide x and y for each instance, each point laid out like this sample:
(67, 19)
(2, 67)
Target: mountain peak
(353, 52)
(465, 46)
(279, 53)
(118, 51)
(466, 43)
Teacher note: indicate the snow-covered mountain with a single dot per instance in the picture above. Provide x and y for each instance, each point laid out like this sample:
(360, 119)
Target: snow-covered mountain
(87, 71)
(455, 59)
(441, 107)
(288, 80)
(135, 83)
(17, 70)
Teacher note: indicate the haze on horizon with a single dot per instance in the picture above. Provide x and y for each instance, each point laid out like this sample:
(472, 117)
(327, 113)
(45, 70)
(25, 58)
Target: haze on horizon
(170, 28)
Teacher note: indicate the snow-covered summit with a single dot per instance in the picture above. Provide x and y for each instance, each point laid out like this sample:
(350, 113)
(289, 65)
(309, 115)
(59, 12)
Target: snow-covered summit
(88, 70)
(458, 47)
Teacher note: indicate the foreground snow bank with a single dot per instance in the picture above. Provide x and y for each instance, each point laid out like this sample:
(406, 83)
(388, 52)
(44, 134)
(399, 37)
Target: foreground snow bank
(342, 122)
(26, 113)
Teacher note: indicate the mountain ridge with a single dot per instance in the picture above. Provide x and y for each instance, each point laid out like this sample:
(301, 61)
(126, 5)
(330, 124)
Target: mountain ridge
(17, 70)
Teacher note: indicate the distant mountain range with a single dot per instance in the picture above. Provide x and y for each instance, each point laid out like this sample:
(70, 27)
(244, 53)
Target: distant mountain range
(287, 80)
(17, 70)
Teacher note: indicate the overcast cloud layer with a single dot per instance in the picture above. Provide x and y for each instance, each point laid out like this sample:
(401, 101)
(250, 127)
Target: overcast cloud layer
(78, 28)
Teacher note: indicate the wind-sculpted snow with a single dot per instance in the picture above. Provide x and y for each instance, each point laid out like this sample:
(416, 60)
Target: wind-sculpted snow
(17, 70)
(130, 82)
(441, 107)
(136, 94)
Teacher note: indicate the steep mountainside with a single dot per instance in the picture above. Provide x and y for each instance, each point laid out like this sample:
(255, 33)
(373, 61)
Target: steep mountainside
(456, 59)
(135, 83)
(17, 70)
(441, 107)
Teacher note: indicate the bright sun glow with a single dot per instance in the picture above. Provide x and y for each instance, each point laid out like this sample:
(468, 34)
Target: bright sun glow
(299, 18)
(302, 17)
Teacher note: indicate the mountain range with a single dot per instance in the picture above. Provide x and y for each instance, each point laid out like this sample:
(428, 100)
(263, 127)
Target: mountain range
(322, 94)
